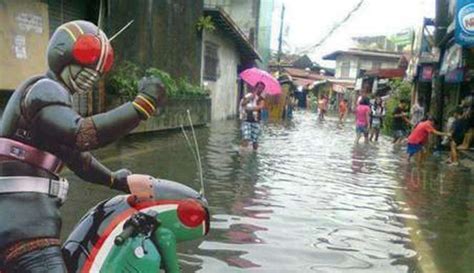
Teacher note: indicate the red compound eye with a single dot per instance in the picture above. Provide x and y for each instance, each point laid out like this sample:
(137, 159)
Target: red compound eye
(86, 49)
(109, 59)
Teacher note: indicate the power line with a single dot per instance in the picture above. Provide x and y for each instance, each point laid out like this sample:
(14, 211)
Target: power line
(334, 28)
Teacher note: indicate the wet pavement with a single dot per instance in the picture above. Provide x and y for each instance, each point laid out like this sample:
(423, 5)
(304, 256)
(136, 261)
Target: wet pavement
(310, 200)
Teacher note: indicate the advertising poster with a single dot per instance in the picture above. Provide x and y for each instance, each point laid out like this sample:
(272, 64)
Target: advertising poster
(464, 30)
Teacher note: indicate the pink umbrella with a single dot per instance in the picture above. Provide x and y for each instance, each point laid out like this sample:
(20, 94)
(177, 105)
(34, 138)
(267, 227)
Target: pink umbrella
(254, 75)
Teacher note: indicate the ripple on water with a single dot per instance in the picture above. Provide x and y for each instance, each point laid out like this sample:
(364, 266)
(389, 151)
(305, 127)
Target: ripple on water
(309, 200)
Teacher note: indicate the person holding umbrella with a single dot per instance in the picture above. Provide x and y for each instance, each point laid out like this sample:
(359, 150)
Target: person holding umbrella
(252, 105)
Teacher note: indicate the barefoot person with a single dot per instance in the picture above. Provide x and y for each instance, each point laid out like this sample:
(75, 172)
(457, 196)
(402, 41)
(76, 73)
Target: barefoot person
(468, 117)
(252, 105)
(362, 120)
(376, 119)
(418, 138)
(400, 118)
(323, 107)
(456, 131)
(343, 111)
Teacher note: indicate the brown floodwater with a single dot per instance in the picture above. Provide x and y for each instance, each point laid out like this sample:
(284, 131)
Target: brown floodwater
(309, 200)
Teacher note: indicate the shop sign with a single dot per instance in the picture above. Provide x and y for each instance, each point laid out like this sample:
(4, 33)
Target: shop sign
(427, 73)
(454, 76)
(464, 30)
(452, 59)
(338, 88)
(358, 84)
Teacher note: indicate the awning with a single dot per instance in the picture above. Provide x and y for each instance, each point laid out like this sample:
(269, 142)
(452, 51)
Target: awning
(387, 73)
(338, 88)
(302, 81)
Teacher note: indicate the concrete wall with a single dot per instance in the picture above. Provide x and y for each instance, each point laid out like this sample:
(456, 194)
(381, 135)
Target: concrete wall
(175, 114)
(24, 34)
(223, 91)
(245, 14)
(163, 35)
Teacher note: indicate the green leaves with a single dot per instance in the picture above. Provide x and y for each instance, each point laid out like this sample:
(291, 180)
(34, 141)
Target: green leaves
(123, 82)
(205, 23)
(400, 90)
(180, 88)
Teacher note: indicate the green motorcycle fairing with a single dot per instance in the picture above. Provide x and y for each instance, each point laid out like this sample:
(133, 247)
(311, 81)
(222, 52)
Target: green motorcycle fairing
(91, 248)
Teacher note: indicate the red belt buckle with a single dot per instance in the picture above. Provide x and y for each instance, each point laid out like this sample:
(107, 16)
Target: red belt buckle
(29, 154)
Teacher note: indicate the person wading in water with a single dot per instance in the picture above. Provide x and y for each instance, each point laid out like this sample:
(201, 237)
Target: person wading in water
(252, 105)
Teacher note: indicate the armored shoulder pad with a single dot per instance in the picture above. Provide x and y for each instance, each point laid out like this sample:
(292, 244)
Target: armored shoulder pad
(44, 93)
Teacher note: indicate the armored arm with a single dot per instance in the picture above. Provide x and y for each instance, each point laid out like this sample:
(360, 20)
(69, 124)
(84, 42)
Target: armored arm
(87, 167)
(49, 108)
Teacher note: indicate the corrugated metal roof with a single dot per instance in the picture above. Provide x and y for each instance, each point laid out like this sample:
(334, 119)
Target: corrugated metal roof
(225, 22)
(358, 52)
(302, 73)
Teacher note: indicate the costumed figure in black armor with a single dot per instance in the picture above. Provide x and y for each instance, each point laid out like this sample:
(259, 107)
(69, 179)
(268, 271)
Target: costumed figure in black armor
(41, 131)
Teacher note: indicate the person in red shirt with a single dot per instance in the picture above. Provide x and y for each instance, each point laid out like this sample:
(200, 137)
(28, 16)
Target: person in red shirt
(419, 136)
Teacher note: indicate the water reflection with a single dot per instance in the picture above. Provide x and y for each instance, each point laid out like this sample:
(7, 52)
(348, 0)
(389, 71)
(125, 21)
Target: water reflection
(441, 198)
(310, 200)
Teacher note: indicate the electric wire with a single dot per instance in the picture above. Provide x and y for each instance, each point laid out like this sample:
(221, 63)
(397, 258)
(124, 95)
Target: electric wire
(333, 29)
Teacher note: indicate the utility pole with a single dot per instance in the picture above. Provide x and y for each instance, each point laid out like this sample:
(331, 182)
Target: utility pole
(280, 38)
(441, 23)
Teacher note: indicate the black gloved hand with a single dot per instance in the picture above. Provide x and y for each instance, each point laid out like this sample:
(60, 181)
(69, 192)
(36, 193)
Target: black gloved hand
(151, 94)
(119, 180)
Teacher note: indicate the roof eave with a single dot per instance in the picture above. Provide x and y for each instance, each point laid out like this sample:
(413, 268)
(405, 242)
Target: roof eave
(225, 22)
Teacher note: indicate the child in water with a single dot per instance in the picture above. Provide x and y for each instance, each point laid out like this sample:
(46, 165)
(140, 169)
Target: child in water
(418, 138)
(362, 119)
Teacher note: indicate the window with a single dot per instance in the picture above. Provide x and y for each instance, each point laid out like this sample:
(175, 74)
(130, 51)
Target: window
(345, 69)
(376, 65)
(211, 62)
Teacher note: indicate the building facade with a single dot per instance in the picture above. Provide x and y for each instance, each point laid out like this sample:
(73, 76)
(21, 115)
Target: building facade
(226, 52)
(350, 63)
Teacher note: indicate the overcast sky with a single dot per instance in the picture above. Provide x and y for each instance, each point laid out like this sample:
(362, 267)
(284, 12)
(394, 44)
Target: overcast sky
(307, 21)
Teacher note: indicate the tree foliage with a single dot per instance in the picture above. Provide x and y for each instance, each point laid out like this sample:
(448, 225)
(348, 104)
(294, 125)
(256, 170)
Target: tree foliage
(123, 82)
(401, 90)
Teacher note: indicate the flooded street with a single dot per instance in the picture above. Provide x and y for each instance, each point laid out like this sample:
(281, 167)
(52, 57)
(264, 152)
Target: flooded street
(310, 200)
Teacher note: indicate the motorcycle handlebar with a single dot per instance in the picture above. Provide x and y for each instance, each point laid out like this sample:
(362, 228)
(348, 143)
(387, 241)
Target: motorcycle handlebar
(124, 235)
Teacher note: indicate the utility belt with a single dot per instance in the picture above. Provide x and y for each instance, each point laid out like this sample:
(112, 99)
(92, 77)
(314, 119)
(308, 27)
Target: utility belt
(16, 184)
(12, 149)
(20, 151)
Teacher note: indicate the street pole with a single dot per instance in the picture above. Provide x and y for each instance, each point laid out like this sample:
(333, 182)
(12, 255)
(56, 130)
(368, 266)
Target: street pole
(441, 24)
(280, 38)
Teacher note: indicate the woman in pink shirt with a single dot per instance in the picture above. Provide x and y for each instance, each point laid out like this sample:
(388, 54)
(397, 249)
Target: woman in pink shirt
(362, 115)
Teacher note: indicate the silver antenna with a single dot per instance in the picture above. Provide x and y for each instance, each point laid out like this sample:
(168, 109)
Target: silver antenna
(120, 31)
(101, 17)
(196, 146)
(190, 145)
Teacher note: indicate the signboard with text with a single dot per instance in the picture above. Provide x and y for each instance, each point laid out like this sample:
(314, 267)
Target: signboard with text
(464, 31)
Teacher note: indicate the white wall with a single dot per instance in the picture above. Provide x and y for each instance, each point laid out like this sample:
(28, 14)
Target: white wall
(357, 63)
(354, 64)
(224, 92)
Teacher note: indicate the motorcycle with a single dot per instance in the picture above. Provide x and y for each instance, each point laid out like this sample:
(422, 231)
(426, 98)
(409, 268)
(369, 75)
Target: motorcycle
(123, 235)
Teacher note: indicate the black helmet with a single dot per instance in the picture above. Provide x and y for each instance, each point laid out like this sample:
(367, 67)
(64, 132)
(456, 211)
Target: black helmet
(79, 53)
